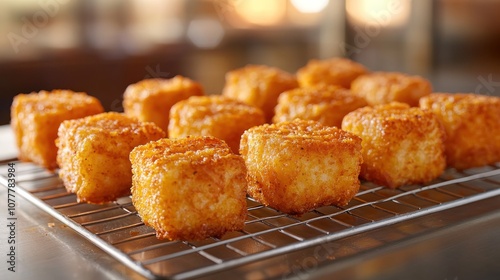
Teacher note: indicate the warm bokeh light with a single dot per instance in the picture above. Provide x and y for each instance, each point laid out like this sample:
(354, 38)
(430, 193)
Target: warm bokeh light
(157, 21)
(310, 6)
(390, 13)
(60, 35)
(261, 12)
(205, 33)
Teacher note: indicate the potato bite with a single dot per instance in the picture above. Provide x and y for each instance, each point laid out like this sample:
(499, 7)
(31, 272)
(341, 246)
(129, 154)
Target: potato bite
(217, 116)
(35, 118)
(472, 124)
(259, 86)
(385, 87)
(150, 100)
(93, 154)
(189, 188)
(327, 105)
(297, 166)
(401, 145)
(334, 71)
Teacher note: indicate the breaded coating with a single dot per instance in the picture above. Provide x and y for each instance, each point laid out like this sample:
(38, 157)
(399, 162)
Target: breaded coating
(335, 71)
(401, 145)
(150, 100)
(35, 118)
(215, 115)
(300, 165)
(93, 154)
(385, 87)
(259, 86)
(189, 188)
(327, 105)
(472, 124)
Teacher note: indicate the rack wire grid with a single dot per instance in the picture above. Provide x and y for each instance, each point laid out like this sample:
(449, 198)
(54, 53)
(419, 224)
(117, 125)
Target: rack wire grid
(118, 230)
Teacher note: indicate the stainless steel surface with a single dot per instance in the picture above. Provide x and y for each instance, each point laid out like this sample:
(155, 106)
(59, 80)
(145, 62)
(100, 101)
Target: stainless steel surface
(46, 249)
(116, 228)
(455, 244)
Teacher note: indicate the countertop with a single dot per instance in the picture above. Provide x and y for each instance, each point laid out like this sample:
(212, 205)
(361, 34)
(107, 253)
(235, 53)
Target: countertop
(459, 243)
(46, 248)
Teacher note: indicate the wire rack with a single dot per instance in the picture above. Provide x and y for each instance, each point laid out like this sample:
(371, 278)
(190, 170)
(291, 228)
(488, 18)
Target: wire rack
(117, 229)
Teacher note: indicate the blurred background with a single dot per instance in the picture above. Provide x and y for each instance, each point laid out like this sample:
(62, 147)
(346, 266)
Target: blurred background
(100, 47)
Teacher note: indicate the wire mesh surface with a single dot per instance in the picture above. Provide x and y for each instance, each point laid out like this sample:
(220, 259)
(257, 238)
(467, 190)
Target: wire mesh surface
(118, 230)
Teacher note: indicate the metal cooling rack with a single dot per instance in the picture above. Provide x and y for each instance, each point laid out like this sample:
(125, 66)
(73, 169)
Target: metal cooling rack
(117, 229)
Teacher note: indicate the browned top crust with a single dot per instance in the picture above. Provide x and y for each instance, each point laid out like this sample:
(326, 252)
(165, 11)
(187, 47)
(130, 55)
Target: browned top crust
(334, 71)
(49, 102)
(304, 131)
(218, 106)
(259, 86)
(147, 87)
(385, 87)
(458, 100)
(258, 74)
(189, 149)
(334, 95)
(325, 104)
(472, 124)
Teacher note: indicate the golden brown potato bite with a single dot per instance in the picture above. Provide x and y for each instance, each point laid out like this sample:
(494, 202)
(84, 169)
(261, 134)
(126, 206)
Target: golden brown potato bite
(217, 116)
(189, 188)
(93, 154)
(327, 105)
(259, 86)
(334, 71)
(297, 166)
(472, 124)
(35, 118)
(401, 145)
(385, 87)
(150, 100)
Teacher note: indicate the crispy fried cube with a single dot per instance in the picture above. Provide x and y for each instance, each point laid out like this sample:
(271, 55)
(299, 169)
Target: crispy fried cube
(327, 105)
(93, 154)
(150, 100)
(385, 87)
(472, 124)
(259, 86)
(297, 166)
(401, 145)
(35, 118)
(334, 71)
(189, 188)
(217, 116)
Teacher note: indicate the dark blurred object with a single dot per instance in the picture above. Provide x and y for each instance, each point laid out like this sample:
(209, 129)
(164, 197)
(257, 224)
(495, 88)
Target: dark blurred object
(101, 77)
(468, 32)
